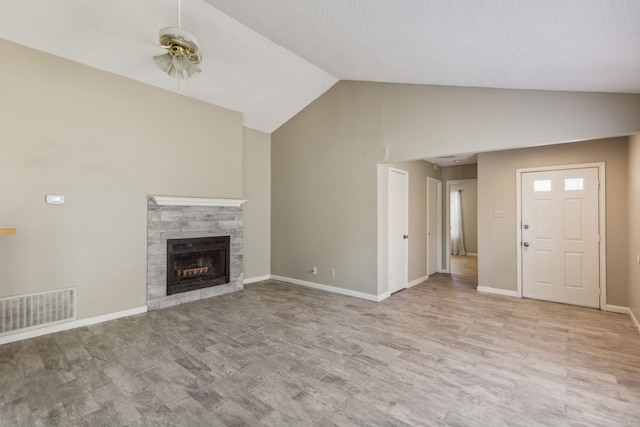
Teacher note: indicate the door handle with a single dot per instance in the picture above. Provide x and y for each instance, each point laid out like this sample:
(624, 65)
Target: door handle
(405, 237)
(525, 244)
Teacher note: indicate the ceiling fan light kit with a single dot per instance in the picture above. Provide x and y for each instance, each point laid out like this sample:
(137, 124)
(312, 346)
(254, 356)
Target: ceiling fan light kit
(182, 57)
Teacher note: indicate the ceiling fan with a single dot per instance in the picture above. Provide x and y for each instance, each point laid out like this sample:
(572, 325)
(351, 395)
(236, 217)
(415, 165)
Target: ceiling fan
(181, 57)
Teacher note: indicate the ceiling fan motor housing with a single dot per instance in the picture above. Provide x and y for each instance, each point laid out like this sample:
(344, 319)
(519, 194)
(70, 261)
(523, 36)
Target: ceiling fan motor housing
(182, 53)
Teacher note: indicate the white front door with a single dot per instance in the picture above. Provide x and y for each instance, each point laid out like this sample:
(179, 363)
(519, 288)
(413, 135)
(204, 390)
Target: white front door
(398, 229)
(432, 226)
(560, 238)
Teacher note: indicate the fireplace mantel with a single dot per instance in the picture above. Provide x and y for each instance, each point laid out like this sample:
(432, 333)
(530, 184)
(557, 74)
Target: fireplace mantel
(194, 201)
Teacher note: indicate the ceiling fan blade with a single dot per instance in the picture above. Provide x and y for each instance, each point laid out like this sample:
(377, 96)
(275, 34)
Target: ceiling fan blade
(192, 70)
(163, 61)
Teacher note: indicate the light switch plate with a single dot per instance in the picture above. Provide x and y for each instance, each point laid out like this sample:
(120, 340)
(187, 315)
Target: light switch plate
(499, 213)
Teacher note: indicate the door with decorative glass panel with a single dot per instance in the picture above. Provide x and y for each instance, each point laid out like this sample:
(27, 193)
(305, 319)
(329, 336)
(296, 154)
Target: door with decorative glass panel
(560, 237)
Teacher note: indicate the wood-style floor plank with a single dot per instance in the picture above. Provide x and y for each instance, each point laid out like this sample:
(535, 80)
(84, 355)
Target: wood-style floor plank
(275, 354)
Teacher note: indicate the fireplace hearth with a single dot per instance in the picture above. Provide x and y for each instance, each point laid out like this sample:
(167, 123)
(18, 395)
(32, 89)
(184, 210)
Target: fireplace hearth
(197, 263)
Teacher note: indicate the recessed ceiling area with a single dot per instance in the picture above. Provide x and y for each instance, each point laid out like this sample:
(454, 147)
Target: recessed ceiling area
(270, 59)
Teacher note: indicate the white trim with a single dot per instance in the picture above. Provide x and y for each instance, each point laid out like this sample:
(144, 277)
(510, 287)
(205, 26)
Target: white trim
(383, 296)
(71, 325)
(623, 310)
(617, 309)
(417, 281)
(602, 221)
(194, 201)
(333, 289)
(438, 224)
(256, 279)
(471, 254)
(497, 291)
(634, 320)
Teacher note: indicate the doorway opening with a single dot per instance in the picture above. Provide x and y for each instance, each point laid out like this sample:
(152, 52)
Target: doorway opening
(462, 230)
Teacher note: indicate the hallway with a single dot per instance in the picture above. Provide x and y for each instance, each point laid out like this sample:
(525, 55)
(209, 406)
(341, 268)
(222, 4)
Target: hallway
(464, 270)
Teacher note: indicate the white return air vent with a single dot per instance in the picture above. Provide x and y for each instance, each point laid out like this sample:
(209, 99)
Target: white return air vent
(25, 312)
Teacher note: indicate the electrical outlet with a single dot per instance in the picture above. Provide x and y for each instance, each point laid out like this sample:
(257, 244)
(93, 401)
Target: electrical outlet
(498, 213)
(332, 271)
(314, 270)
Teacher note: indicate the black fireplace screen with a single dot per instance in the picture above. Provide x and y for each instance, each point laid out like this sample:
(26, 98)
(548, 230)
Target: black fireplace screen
(197, 263)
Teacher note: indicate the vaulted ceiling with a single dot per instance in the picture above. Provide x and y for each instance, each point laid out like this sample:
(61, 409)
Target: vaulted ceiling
(269, 59)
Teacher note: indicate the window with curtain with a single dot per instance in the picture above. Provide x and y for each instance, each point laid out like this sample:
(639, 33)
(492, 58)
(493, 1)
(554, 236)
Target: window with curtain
(457, 240)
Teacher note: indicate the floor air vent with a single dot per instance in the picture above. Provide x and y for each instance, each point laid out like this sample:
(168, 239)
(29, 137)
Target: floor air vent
(24, 312)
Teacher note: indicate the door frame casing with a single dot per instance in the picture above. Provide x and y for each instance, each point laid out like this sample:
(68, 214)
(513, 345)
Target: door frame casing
(406, 231)
(438, 224)
(602, 241)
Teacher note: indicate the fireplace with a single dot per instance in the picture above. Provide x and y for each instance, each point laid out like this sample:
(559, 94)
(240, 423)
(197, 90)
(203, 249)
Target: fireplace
(172, 220)
(197, 263)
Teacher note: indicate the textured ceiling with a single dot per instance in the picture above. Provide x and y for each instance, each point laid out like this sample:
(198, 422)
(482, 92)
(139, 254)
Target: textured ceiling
(578, 45)
(269, 59)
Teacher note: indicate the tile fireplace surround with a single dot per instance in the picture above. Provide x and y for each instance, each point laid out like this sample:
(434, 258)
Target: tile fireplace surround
(183, 217)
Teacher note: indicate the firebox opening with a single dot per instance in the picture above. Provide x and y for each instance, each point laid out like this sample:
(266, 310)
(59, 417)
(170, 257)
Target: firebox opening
(197, 263)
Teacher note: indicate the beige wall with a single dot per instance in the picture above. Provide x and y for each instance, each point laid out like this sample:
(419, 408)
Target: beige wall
(634, 226)
(469, 200)
(323, 169)
(324, 173)
(497, 190)
(424, 121)
(451, 173)
(257, 209)
(106, 143)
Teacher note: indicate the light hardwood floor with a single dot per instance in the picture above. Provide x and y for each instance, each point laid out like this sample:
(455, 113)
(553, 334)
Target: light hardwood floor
(282, 355)
(464, 270)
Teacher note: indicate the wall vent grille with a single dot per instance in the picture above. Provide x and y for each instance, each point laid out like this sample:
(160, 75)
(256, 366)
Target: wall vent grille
(25, 312)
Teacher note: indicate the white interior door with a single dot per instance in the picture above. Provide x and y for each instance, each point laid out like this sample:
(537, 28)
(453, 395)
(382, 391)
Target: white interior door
(398, 229)
(433, 229)
(560, 238)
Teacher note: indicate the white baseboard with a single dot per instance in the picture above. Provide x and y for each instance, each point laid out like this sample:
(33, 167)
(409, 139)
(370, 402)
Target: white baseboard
(417, 281)
(328, 288)
(70, 325)
(617, 309)
(634, 320)
(623, 310)
(472, 254)
(256, 279)
(384, 295)
(497, 291)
